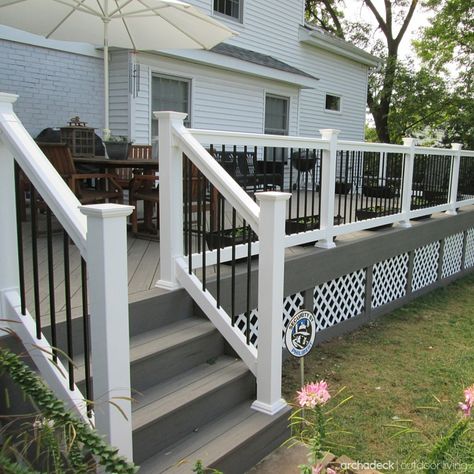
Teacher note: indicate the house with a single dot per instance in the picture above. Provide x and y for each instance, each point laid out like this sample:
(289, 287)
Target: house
(277, 76)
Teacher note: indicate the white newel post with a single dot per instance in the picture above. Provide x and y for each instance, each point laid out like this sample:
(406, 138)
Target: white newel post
(271, 271)
(328, 184)
(171, 198)
(408, 165)
(453, 196)
(110, 344)
(9, 275)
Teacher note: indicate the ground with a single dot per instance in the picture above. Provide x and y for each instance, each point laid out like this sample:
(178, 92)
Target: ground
(412, 364)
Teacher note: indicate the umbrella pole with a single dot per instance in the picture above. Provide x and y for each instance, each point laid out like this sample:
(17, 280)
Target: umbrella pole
(106, 74)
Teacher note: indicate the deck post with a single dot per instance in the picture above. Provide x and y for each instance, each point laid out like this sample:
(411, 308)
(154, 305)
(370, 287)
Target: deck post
(408, 165)
(171, 198)
(328, 184)
(110, 343)
(271, 270)
(454, 177)
(9, 276)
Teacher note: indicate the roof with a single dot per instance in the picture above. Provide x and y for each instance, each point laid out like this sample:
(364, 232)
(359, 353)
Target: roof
(316, 36)
(257, 58)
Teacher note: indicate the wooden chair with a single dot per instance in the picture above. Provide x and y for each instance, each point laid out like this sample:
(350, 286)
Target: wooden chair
(144, 188)
(135, 152)
(106, 189)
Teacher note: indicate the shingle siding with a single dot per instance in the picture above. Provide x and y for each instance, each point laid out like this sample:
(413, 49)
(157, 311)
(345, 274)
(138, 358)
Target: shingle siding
(52, 85)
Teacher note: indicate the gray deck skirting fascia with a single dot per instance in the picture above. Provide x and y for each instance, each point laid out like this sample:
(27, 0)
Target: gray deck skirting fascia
(318, 266)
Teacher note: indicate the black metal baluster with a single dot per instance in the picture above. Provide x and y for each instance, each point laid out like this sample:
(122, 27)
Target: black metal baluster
(67, 293)
(87, 334)
(290, 186)
(189, 185)
(232, 303)
(219, 243)
(52, 298)
(19, 234)
(34, 246)
(202, 206)
(249, 281)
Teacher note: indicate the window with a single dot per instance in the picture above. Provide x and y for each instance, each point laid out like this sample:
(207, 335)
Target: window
(276, 123)
(333, 103)
(170, 93)
(276, 115)
(230, 8)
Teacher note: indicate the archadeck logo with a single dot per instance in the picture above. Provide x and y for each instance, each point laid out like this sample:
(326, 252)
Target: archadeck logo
(300, 333)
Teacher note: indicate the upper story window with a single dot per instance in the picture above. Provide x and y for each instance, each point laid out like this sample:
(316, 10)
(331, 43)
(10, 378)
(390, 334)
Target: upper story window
(276, 115)
(229, 8)
(170, 93)
(333, 103)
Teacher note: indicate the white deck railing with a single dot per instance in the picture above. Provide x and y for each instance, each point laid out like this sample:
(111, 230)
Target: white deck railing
(99, 232)
(267, 219)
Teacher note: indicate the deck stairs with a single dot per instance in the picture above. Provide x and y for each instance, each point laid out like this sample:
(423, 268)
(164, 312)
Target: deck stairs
(192, 396)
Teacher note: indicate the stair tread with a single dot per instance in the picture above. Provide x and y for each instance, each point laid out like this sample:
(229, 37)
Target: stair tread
(158, 340)
(210, 442)
(163, 399)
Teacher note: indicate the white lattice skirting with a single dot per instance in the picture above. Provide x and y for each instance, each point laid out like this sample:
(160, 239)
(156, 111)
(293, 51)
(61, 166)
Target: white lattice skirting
(452, 257)
(389, 280)
(469, 258)
(425, 266)
(338, 300)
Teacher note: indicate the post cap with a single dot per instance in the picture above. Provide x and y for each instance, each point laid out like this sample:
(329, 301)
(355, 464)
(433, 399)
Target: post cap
(272, 196)
(409, 141)
(327, 133)
(170, 115)
(106, 211)
(8, 98)
(456, 146)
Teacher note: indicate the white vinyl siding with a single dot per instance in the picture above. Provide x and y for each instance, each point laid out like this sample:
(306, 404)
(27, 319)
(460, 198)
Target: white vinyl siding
(119, 102)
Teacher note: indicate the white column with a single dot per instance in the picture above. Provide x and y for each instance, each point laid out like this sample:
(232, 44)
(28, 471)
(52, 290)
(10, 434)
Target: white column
(171, 198)
(408, 165)
(453, 196)
(271, 272)
(9, 274)
(328, 183)
(110, 344)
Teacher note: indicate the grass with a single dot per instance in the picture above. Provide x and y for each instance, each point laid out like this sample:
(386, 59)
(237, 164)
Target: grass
(421, 355)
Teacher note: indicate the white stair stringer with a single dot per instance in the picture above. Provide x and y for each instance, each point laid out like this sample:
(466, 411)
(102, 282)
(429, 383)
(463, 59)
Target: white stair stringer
(40, 351)
(218, 317)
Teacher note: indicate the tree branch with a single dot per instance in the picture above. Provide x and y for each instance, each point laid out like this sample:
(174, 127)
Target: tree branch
(380, 20)
(335, 18)
(408, 18)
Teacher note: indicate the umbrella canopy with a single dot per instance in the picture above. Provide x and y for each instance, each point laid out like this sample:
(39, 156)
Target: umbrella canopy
(132, 24)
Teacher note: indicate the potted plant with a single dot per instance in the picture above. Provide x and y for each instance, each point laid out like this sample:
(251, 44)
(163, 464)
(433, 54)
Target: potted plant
(303, 161)
(418, 202)
(296, 225)
(225, 238)
(117, 147)
(373, 212)
(342, 187)
(372, 188)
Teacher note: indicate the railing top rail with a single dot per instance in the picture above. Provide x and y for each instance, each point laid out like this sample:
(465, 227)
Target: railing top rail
(41, 173)
(226, 185)
(468, 153)
(256, 139)
(352, 145)
(425, 150)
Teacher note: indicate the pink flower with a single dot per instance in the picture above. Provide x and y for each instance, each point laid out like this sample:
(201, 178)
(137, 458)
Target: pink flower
(313, 394)
(317, 469)
(330, 471)
(468, 401)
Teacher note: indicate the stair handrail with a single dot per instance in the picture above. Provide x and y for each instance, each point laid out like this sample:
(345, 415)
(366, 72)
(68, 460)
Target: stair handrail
(99, 232)
(42, 174)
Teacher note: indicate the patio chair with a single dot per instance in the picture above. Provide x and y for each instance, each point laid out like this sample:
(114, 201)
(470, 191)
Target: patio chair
(106, 187)
(135, 152)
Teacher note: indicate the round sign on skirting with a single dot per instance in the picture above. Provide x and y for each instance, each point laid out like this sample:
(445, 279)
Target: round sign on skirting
(300, 333)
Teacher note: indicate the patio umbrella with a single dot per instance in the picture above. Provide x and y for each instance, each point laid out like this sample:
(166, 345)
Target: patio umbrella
(132, 24)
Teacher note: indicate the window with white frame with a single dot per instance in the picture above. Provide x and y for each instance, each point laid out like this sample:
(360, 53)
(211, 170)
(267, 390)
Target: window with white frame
(170, 93)
(333, 103)
(276, 123)
(229, 8)
(276, 114)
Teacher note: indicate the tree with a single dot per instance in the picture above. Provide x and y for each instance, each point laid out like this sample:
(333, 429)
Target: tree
(449, 40)
(328, 14)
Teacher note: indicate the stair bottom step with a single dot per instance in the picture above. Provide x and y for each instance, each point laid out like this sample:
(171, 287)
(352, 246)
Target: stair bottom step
(232, 443)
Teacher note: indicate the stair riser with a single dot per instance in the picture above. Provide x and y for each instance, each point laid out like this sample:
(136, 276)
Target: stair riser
(174, 426)
(253, 450)
(162, 366)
